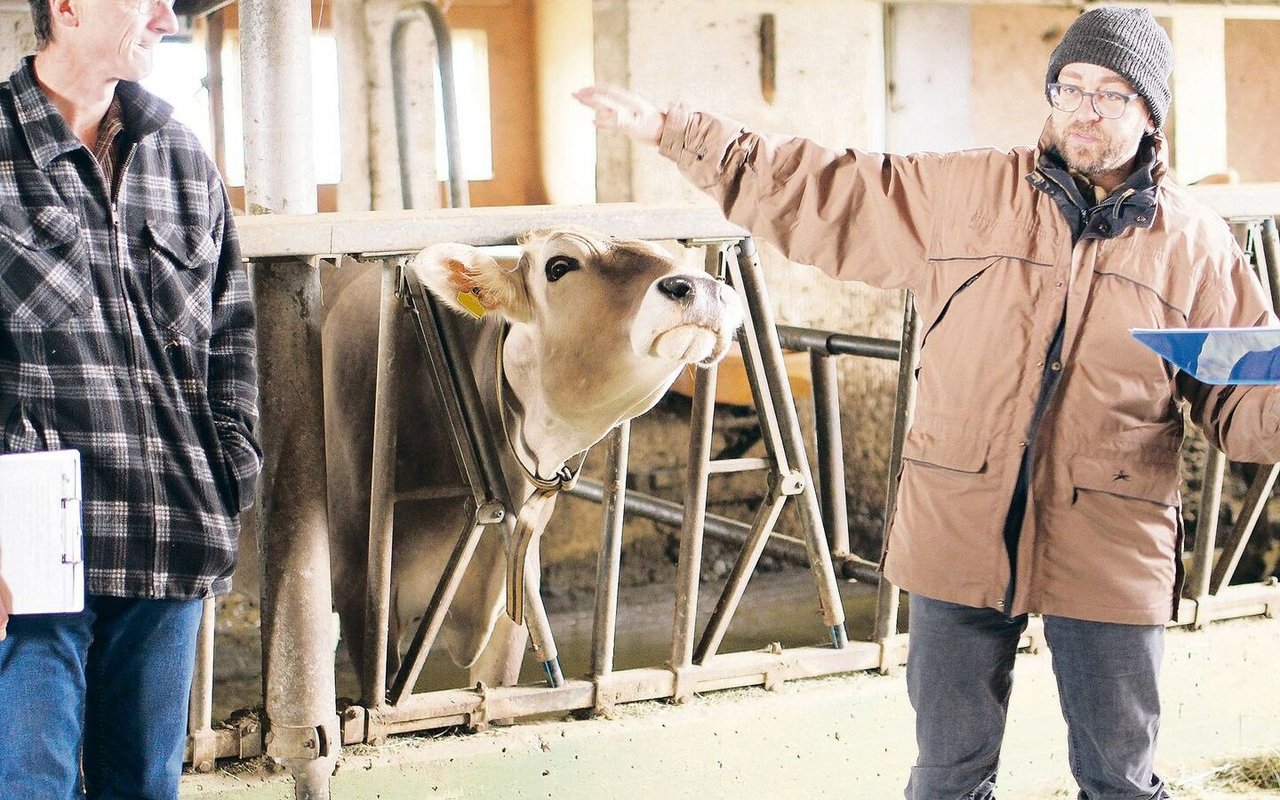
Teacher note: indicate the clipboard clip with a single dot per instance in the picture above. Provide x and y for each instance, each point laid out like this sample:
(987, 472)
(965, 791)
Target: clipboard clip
(73, 549)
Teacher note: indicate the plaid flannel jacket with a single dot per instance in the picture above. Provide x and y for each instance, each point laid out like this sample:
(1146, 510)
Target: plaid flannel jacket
(127, 333)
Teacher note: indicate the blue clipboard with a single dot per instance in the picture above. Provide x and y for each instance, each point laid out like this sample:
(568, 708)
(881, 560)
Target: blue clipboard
(1218, 355)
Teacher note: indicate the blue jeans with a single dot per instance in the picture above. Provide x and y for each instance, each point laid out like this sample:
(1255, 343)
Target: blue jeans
(959, 676)
(107, 688)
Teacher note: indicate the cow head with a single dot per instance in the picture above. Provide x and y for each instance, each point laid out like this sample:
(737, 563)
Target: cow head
(599, 328)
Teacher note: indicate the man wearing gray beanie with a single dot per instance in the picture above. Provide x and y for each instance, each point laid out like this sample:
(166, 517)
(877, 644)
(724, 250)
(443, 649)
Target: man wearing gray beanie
(1040, 473)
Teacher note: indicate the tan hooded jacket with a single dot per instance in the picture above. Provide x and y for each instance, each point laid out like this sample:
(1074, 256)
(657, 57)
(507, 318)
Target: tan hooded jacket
(990, 260)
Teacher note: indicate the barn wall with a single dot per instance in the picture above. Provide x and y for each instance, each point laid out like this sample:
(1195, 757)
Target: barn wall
(1011, 48)
(1253, 98)
(16, 40)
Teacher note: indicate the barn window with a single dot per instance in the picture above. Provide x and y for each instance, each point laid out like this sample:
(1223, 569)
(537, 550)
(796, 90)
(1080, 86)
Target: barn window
(471, 84)
(179, 75)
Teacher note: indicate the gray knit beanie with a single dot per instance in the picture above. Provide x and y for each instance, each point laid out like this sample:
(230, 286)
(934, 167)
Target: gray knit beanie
(1127, 41)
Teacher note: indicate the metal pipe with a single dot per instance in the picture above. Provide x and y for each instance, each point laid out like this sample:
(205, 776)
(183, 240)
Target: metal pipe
(1207, 526)
(609, 563)
(751, 280)
(297, 626)
(830, 449)
(1250, 510)
(458, 190)
(888, 597)
(433, 617)
(723, 529)
(692, 518)
(201, 739)
(837, 344)
(1271, 257)
(386, 425)
(736, 584)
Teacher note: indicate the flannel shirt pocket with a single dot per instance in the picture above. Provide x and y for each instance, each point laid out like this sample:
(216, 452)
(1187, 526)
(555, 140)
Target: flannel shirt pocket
(183, 266)
(44, 272)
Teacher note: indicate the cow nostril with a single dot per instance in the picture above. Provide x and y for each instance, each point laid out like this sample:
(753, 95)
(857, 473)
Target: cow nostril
(677, 287)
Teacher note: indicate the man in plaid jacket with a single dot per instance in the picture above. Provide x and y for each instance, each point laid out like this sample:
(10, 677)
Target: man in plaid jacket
(127, 333)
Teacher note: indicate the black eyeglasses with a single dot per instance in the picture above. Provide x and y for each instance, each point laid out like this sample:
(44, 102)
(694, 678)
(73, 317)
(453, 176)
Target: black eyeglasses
(1107, 104)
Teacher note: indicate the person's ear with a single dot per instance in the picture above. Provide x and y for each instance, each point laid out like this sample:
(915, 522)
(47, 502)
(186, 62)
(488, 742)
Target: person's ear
(65, 12)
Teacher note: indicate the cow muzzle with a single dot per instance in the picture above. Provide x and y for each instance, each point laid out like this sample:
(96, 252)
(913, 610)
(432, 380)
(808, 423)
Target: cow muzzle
(687, 318)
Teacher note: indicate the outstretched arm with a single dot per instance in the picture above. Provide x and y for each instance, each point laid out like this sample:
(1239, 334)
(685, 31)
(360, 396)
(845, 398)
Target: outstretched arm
(623, 111)
(856, 215)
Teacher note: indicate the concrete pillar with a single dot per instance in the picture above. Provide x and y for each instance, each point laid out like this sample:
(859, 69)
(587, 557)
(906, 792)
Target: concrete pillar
(1199, 113)
(297, 628)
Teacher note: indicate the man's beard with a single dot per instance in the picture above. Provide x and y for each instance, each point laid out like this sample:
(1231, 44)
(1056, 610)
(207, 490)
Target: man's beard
(1095, 159)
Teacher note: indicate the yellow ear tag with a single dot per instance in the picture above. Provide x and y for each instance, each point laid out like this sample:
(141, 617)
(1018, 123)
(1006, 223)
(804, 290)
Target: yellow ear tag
(471, 303)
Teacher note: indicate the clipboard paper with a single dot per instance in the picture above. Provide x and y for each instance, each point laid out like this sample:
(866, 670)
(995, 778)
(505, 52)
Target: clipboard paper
(41, 544)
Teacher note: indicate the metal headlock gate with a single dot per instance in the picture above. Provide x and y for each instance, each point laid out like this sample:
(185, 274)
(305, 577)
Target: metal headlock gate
(695, 665)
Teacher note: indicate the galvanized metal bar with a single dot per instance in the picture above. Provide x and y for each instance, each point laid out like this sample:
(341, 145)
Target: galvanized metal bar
(759, 314)
(1270, 253)
(408, 231)
(728, 670)
(693, 517)
(736, 584)
(830, 450)
(731, 465)
(1200, 582)
(202, 742)
(458, 190)
(888, 596)
(750, 280)
(433, 617)
(1250, 510)
(297, 626)
(454, 383)
(609, 562)
(723, 529)
(386, 423)
(837, 344)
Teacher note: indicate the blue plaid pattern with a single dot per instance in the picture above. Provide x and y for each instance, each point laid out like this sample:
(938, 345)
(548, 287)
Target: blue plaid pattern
(127, 333)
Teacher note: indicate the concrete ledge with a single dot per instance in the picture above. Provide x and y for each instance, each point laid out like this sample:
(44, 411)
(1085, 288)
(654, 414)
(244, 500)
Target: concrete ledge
(848, 737)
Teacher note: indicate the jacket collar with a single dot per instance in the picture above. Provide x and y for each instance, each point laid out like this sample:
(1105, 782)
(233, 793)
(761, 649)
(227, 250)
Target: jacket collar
(1132, 204)
(47, 133)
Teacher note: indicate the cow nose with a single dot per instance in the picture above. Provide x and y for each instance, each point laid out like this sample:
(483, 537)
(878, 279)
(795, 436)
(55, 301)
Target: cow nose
(677, 287)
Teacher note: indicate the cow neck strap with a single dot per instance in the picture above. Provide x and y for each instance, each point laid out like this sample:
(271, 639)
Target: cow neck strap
(566, 476)
(532, 520)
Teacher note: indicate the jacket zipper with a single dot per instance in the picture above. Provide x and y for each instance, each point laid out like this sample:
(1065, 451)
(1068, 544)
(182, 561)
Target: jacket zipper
(115, 194)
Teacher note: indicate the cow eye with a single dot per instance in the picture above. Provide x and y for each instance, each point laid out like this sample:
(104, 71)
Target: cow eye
(560, 266)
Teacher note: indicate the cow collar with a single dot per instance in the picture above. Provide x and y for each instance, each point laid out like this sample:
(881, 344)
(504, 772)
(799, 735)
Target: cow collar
(566, 476)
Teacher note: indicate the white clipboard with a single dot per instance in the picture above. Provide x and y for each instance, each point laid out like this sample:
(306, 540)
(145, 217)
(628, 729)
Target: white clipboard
(1246, 356)
(41, 542)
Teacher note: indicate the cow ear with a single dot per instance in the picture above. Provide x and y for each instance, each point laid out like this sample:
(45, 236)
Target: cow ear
(473, 282)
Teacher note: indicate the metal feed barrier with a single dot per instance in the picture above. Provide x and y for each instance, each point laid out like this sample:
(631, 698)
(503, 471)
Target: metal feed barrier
(696, 663)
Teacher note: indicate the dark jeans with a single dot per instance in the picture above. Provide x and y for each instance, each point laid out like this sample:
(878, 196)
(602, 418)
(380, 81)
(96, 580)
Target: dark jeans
(111, 683)
(960, 673)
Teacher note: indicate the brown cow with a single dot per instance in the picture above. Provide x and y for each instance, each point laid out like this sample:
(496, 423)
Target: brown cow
(598, 329)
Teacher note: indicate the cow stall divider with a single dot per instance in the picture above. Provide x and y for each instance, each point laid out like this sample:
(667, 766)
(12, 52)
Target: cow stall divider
(696, 663)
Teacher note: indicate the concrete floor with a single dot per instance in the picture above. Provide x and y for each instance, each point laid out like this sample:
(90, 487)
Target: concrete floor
(846, 737)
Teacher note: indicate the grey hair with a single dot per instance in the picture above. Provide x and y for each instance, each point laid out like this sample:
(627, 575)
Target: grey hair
(42, 20)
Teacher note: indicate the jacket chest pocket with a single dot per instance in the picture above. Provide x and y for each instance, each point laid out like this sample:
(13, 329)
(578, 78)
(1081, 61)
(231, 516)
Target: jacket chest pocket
(1151, 293)
(44, 270)
(183, 266)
